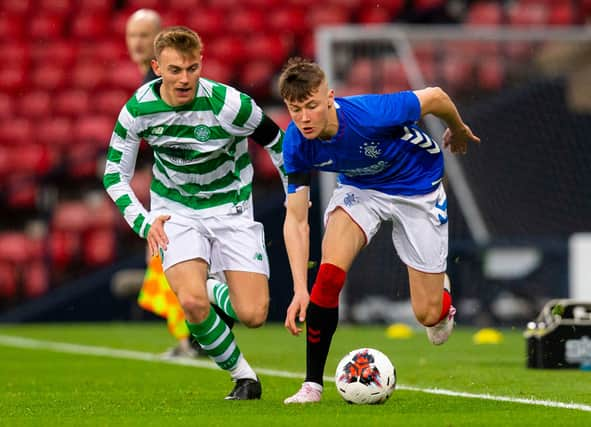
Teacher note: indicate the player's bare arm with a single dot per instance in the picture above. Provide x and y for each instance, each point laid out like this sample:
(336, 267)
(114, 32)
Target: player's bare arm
(296, 232)
(435, 101)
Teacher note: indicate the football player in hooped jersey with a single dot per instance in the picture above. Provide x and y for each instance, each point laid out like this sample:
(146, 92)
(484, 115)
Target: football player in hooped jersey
(201, 216)
(389, 170)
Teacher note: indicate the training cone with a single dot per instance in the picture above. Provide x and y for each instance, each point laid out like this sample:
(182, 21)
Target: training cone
(487, 336)
(399, 331)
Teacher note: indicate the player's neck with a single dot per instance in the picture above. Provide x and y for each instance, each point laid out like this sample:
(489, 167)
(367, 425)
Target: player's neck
(332, 127)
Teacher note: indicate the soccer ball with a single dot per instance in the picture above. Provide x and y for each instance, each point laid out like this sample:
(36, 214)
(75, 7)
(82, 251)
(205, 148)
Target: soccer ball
(365, 376)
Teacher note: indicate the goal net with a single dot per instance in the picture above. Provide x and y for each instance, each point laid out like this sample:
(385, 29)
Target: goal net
(515, 200)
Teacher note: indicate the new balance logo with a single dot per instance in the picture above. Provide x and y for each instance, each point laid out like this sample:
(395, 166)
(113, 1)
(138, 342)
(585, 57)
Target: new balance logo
(416, 137)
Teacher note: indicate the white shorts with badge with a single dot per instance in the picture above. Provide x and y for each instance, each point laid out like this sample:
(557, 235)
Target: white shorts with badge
(233, 241)
(420, 229)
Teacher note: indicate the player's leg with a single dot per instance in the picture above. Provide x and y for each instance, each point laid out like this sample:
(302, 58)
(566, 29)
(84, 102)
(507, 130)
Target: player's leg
(342, 242)
(420, 235)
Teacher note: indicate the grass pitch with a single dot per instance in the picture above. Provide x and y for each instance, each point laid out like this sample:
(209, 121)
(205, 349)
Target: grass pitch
(110, 375)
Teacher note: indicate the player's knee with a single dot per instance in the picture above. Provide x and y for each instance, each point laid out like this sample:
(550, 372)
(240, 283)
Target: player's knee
(327, 287)
(196, 309)
(428, 315)
(253, 316)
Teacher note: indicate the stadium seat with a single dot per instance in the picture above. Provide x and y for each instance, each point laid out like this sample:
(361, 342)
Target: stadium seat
(17, 132)
(362, 73)
(88, 76)
(72, 216)
(217, 70)
(22, 192)
(89, 26)
(209, 23)
(110, 102)
(256, 78)
(46, 27)
(14, 247)
(563, 14)
(8, 280)
(82, 159)
(485, 13)
(374, 15)
(103, 53)
(243, 21)
(99, 7)
(99, 247)
(18, 7)
(71, 102)
(35, 104)
(55, 132)
(456, 71)
(491, 73)
(94, 129)
(288, 20)
(35, 280)
(230, 49)
(125, 76)
(139, 4)
(185, 6)
(64, 247)
(48, 77)
(11, 28)
(329, 15)
(62, 53)
(394, 7)
(527, 15)
(271, 47)
(55, 7)
(18, 52)
(7, 109)
(13, 79)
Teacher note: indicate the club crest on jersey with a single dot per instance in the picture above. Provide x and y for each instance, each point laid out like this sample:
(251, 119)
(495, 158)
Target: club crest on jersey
(350, 200)
(202, 133)
(371, 149)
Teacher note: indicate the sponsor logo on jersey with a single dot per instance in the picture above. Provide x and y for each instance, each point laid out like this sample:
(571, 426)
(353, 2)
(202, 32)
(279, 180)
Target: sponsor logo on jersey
(202, 133)
(371, 149)
(368, 170)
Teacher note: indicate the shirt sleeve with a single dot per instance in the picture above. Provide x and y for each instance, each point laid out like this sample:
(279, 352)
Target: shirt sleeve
(392, 109)
(119, 169)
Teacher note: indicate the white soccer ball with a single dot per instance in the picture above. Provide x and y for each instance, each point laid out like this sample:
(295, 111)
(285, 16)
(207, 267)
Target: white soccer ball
(365, 376)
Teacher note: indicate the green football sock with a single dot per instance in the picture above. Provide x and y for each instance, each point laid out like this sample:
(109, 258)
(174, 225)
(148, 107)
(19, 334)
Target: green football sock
(219, 294)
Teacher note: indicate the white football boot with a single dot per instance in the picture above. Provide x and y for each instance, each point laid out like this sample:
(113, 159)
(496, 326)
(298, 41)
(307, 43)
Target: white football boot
(439, 333)
(309, 393)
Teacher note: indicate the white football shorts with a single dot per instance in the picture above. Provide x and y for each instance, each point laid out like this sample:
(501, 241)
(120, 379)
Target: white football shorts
(420, 229)
(226, 242)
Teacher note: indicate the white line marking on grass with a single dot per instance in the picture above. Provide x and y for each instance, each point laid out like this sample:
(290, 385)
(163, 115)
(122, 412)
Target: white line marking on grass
(87, 350)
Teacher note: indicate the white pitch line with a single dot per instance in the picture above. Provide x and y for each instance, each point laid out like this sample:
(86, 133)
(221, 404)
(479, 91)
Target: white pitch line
(87, 350)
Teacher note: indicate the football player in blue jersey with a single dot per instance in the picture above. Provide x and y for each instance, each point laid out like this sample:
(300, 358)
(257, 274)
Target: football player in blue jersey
(389, 170)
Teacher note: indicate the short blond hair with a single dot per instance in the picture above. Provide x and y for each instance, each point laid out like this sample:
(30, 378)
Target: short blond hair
(182, 39)
(299, 79)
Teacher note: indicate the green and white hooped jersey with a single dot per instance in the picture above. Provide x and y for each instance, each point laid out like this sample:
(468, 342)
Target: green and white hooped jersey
(201, 161)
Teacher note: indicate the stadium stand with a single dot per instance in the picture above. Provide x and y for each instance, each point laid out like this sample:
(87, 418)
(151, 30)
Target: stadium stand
(68, 75)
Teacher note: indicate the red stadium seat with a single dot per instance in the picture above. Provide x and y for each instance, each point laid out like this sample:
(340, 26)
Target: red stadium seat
(185, 6)
(17, 132)
(36, 104)
(7, 108)
(271, 47)
(23, 192)
(491, 73)
(563, 14)
(18, 52)
(528, 15)
(63, 248)
(227, 48)
(110, 102)
(61, 53)
(11, 28)
(244, 21)
(82, 160)
(49, 77)
(456, 71)
(33, 159)
(217, 70)
(55, 7)
(89, 26)
(104, 52)
(8, 280)
(35, 279)
(288, 20)
(125, 75)
(394, 7)
(13, 79)
(14, 247)
(257, 78)
(209, 22)
(55, 132)
(147, 4)
(73, 216)
(374, 15)
(18, 7)
(488, 13)
(99, 247)
(99, 7)
(46, 27)
(72, 102)
(327, 15)
(88, 76)
(94, 129)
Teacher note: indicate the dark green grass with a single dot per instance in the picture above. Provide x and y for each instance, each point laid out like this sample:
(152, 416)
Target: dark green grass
(40, 387)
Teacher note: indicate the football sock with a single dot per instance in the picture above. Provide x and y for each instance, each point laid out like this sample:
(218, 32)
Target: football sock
(242, 370)
(216, 338)
(445, 304)
(321, 323)
(219, 294)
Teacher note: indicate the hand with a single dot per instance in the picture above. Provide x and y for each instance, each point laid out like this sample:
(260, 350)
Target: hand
(457, 141)
(297, 309)
(157, 238)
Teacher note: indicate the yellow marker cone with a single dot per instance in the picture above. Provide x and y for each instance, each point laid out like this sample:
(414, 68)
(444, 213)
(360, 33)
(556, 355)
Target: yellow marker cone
(487, 336)
(399, 331)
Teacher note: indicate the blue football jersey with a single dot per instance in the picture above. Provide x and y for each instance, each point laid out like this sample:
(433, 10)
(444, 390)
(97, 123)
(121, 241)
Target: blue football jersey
(378, 146)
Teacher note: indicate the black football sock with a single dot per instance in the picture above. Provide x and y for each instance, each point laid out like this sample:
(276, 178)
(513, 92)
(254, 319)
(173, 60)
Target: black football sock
(321, 324)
